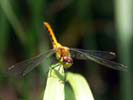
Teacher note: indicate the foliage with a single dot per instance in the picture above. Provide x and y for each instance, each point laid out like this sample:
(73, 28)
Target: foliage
(104, 25)
(57, 80)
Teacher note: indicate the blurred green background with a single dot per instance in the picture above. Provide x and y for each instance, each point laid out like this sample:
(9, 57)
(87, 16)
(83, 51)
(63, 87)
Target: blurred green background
(87, 24)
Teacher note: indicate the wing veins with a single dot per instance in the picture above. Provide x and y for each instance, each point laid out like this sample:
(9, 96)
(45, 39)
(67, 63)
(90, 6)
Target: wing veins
(83, 56)
(28, 65)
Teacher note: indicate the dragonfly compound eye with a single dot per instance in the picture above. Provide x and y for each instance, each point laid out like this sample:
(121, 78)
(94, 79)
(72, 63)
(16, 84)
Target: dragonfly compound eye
(68, 60)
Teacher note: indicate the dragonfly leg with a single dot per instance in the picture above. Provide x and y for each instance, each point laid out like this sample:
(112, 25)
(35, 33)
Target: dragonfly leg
(54, 67)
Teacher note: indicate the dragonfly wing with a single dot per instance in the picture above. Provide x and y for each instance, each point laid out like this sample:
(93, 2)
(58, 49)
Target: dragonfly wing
(76, 53)
(28, 65)
(101, 54)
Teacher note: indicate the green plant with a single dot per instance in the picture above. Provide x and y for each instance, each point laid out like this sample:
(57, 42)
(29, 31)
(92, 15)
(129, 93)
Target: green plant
(57, 81)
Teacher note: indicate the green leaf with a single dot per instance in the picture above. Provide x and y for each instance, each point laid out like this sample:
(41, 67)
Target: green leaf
(80, 86)
(55, 85)
(69, 94)
(77, 89)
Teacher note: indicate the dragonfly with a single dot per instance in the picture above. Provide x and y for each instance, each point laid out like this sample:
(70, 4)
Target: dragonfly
(65, 56)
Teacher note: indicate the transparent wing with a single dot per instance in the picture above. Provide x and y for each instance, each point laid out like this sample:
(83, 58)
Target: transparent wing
(98, 57)
(28, 65)
(101, 54)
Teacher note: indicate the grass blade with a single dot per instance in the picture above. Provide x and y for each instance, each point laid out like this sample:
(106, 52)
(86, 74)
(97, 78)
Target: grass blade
(55, 85)
(80, 86)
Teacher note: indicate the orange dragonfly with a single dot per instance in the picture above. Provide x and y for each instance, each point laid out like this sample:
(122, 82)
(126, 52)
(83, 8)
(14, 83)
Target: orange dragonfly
(65, 56)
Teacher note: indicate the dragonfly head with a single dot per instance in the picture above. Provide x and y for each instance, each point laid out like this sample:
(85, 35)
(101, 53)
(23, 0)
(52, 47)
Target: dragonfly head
(64, 56)
(67, 61)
